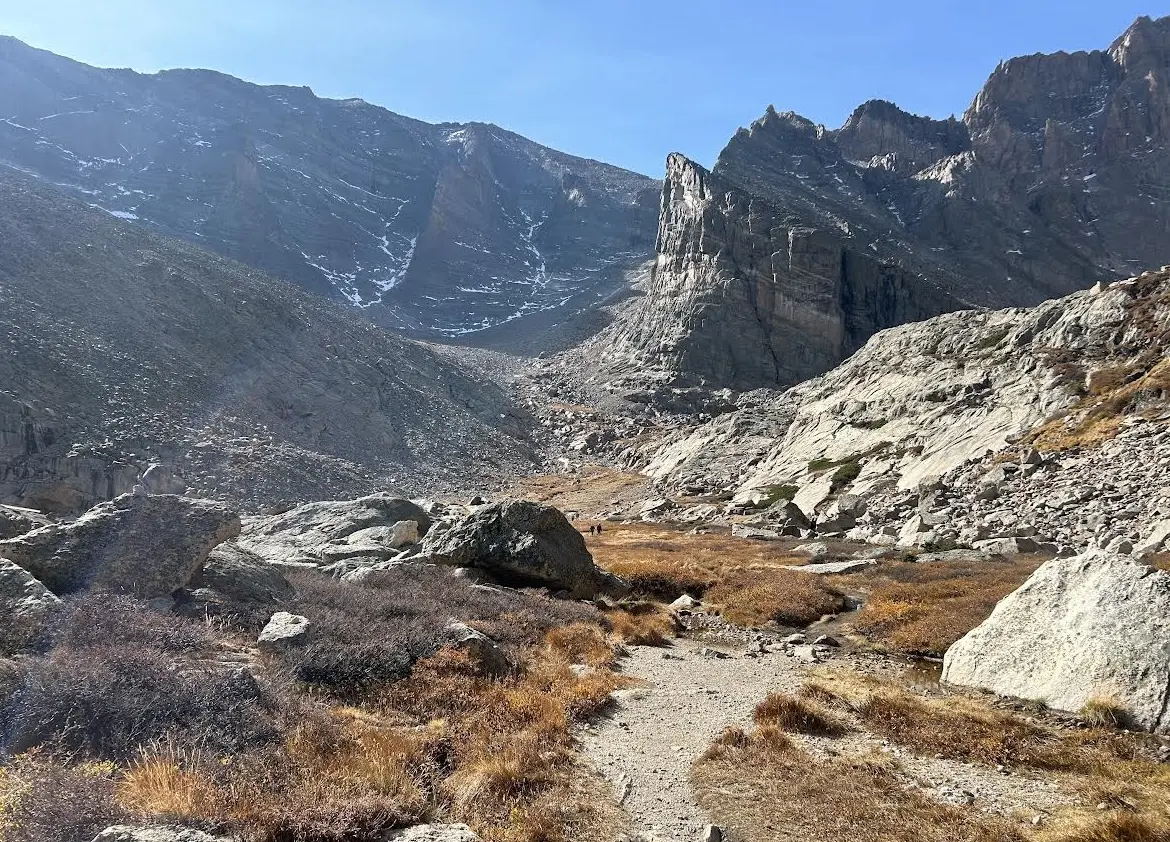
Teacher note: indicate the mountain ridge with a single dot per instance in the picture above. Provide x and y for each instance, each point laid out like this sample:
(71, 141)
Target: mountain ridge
(438, 230)
(125, 351)
(1050, 182)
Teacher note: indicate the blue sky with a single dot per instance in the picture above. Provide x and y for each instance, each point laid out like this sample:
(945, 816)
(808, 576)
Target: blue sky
(624, 81)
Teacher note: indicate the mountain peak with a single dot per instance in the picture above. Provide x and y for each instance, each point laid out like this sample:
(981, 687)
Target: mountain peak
(1144, 45)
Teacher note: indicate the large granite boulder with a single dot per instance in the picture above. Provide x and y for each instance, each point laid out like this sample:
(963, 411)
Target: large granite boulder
(145, 545)
(25, 605)
(1094, 626)
(525, 543)
(234, 576)
(326, 532)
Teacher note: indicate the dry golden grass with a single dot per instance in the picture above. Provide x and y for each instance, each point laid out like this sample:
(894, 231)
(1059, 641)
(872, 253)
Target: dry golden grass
(1105, 712)
(756, 597)
(1117, 827)
(963, 728)
(1160, 561)
(801, 715)
(168, 783)
(664, 562)
(764, 787)
(643, 624)
(923, 608)
(1114, 393)
(592, 489)
(447, 743)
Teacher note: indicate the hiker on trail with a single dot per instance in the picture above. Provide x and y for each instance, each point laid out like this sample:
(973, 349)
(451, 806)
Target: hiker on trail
(592, 529)
(599, 529)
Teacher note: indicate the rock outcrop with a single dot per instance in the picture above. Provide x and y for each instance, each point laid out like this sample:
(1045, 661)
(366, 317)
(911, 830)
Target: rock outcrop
(522, 543)
(1092, 628)
(373, 527)
(803, 241)
(26, 605)
(925, 400)
(145, 545)
(743, 295)
(16, 521)
(443, 230)
(127, 359)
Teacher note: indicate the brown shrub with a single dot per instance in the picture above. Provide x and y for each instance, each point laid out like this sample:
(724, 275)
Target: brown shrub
(42, 800)
(756, 597)
(800, 715)
(113, 683)
(367, 637)
(924, 608)
(99, 619)
(962, 729)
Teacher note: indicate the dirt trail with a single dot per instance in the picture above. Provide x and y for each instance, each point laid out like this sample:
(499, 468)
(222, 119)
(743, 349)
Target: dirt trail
(646, 746)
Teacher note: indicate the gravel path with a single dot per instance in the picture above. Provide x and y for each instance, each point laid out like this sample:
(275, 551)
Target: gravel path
(646, 746)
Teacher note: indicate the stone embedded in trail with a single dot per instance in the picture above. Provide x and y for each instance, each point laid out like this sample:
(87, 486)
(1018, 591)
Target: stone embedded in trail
(524, 543)
(829, 568)
(1090, 627)
(433, 833)
(145, 545)
(329, 531)
(126, 833)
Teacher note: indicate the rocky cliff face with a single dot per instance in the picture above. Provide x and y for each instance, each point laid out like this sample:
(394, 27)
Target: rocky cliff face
(440, 230)
(744, 294)
(127, 358)
(803, 241)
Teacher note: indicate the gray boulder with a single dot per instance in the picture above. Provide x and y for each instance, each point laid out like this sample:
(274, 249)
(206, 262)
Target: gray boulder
(1095, 626)
(1155, 539)
(145, 545)
(157, 833)
(15, 521)
(1007, 546)
(326, 532)
(25, 605)
(284, 630)
(740, 530)
(234, 575)
(524, 543)
(790, 516)
(488, 654)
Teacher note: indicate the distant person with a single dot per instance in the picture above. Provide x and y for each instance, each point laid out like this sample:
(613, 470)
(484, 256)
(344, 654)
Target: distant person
(599, 529)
